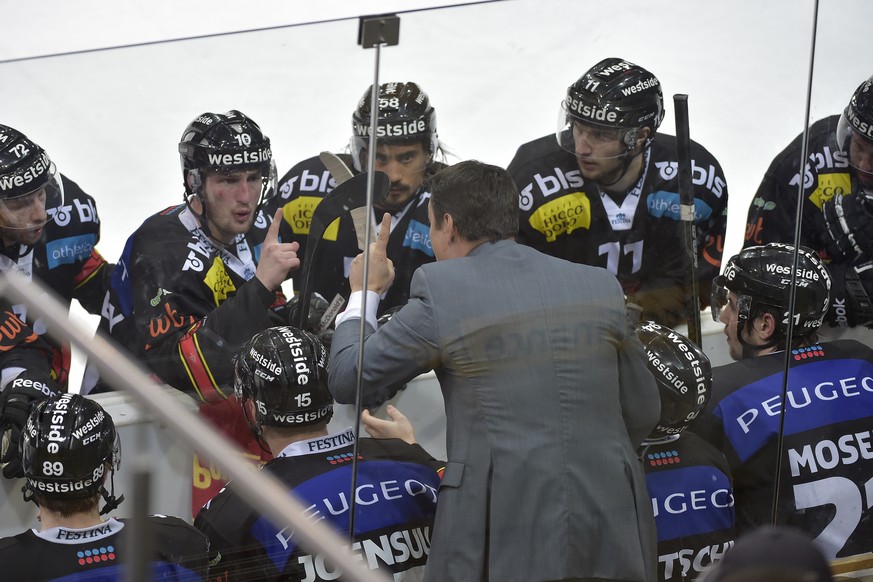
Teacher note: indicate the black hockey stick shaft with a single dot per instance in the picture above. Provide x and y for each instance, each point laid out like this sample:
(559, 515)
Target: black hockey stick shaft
(336, 203)
(686, 205)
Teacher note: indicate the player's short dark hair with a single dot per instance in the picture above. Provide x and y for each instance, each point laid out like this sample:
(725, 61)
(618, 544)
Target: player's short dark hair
(67, 506)
(482, 200)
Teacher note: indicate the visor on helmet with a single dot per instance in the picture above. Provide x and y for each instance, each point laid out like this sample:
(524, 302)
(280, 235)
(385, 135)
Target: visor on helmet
(603, 141)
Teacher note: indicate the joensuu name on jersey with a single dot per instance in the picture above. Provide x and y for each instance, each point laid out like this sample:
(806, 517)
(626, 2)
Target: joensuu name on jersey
(393, 551)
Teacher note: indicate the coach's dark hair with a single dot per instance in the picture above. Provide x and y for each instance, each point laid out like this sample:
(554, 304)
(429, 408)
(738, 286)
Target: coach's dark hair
(482, 200)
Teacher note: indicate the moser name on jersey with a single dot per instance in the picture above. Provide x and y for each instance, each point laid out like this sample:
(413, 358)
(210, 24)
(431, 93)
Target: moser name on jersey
(690, 558)
(405, 128)
(34, 171)
(395, 552)
(239, 158)
(826, 454)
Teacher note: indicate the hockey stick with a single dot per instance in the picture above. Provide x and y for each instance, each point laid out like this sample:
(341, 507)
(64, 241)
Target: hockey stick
(686, 205)
(341, 172)
(350, 194)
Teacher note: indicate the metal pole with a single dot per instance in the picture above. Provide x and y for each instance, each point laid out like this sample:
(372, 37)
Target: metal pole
(260, 489)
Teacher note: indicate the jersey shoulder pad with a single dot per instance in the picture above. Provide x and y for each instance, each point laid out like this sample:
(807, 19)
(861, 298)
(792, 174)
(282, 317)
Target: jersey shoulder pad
(307, 178)
(531, 152)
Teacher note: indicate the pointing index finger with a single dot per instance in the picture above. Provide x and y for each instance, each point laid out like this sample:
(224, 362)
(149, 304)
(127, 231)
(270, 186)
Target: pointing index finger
(273, 231)
(384, 232)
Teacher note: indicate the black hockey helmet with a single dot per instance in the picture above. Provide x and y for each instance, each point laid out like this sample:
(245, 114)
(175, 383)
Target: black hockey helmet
(283, 370)
(68, 445)
(405, 115)
(225, 142)
(683, 374)
(761, 277)
(614, 94)
(27, 175)
(857, 118)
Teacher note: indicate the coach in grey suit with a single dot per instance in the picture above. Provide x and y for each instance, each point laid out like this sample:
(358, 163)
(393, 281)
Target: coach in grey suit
(545, 387)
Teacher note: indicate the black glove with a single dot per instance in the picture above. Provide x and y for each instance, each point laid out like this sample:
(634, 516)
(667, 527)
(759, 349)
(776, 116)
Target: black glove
(318, 305)
(846, 227)
(16, 401)
(851, 290)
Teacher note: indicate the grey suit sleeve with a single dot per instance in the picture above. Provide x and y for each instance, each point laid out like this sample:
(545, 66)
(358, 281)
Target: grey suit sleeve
(394, 354)
(640, 399)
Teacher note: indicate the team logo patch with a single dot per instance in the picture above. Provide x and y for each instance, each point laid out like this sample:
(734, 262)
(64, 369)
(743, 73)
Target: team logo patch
(562, 215)
(663, 458)
(663, 204)
(69, 250)
(807, 353)
(219, 281)
(342, 458)
(829, 185)
(298, 214)
(96, 555)
(418, 237)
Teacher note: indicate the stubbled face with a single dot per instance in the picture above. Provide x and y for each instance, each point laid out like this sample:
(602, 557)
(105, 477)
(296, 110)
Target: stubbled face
(23, 219)
(729, 316)
(231, 201)
(861, 158)
(405, 165)
(599, 151)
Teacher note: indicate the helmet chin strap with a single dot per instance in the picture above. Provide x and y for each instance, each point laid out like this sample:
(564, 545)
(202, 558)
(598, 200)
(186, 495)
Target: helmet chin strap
(627, 157)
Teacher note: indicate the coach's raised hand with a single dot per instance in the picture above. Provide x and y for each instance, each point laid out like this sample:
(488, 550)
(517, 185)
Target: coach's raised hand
(381, 271)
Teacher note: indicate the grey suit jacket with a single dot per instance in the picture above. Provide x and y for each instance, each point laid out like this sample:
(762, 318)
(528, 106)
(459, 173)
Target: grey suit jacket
(547, 394)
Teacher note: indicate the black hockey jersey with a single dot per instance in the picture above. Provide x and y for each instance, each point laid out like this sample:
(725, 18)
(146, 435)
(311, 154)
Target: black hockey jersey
(300, 191)
(772, 214)
(640, 240)
(773, 210)
(186, 306)
(827, 454)
(692, 498)
(396, 496)
(65, 261)
(100, 552)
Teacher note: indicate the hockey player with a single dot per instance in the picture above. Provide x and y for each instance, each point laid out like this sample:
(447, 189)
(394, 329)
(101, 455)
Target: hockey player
(49, 230)
(826, 463)
(408, 150)
(837, 214)
(70, 448)
(605, 192)
(688, 479)
(281, 377)
(198, 280)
